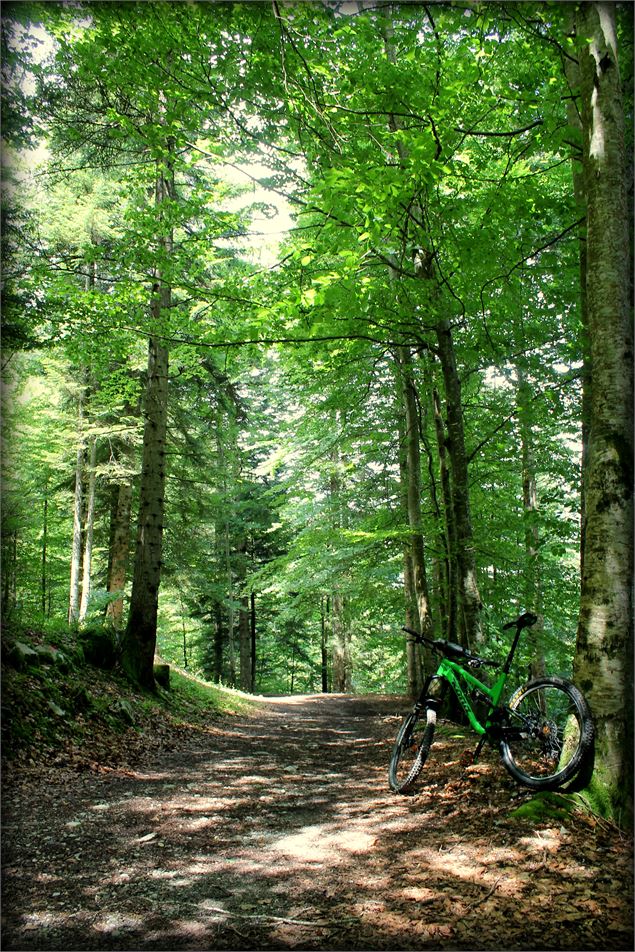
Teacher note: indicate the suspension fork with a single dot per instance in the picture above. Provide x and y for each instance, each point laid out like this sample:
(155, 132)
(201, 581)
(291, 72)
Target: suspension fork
(432, 694)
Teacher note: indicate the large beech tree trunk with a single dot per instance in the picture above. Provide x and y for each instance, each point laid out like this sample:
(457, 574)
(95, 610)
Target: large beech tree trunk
(244, 637)
(604, 652)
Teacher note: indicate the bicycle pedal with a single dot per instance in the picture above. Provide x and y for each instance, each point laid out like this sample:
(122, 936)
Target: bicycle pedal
(467, 758)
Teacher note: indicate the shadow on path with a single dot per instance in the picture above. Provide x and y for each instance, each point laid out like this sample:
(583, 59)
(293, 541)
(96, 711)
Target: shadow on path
(278, 831)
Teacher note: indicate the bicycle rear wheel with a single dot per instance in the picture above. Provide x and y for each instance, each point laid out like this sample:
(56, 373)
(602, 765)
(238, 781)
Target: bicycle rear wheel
(411, 749)
(551, 733)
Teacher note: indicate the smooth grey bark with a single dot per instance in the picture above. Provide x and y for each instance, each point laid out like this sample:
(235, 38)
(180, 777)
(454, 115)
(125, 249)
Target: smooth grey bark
(253, 631)
(324, 643)
(244, 639)
(223, 535)
(572, 72)
(604, 651)
(341, 664)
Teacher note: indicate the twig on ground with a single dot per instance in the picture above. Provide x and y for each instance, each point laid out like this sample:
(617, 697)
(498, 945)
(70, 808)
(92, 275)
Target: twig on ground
(482, 899)
(321, 923)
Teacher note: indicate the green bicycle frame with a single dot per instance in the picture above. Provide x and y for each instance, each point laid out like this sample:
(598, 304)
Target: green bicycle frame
(452, 672)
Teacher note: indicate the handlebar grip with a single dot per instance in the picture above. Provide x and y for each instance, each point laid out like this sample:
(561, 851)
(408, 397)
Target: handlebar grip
(411, 631)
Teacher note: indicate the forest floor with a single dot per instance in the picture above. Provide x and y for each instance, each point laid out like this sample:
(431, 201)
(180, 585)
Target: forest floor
(276, 830)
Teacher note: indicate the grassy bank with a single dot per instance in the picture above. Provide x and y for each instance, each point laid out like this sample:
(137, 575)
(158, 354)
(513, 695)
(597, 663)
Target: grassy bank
(63, 703)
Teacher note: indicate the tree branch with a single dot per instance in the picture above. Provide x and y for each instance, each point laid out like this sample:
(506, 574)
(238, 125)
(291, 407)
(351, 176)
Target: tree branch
(510, 134)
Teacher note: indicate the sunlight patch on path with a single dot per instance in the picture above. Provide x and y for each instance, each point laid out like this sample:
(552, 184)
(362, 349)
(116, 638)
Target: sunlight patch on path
(316, 844)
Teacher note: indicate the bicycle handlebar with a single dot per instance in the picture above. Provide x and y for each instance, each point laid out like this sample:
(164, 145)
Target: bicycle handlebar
(451, 650)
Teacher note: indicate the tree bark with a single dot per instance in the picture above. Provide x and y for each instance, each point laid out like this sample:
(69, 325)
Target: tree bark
(341, 664)
(324, 652)
(119, 552)
(449, 542)
(244, 638)
(470, 599)
(604, 651)
(253, 634)
(44, 546)
(415, 576)
(218, 642)
(341, 645)
(531, 576)
(89, 526)
(76, 549)
(572, 72)
(139, 642)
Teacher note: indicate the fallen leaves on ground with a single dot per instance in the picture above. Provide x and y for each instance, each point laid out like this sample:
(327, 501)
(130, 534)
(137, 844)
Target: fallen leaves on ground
(279, 832)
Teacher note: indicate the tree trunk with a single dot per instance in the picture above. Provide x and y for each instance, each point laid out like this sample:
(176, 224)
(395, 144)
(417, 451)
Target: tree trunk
(415, 577)
(76, 550)
(44, 545)
(341, 665)
(604, 651)
(324, 610)
(341, 645)
(89, 526)
(572, 72)
(449, 541)
(218, 642)
(253, 634)
(531, 576)
(413, 465)
(139, 643)
(141, 631)
(119, 552)
(244, 639)
(470, 599)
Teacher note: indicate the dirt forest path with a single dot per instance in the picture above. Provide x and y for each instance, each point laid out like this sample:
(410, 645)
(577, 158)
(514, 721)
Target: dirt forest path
(278, 831)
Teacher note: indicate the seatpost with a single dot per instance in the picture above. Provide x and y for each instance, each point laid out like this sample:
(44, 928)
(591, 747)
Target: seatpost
(525, 621)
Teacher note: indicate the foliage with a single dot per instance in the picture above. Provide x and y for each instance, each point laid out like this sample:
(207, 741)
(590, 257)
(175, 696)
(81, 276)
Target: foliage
(404, 140)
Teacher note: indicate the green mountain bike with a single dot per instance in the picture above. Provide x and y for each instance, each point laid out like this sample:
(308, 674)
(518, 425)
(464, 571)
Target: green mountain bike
(544, 732)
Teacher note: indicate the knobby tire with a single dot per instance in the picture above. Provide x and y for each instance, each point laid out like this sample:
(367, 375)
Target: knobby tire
(555, 739)
(411, 750)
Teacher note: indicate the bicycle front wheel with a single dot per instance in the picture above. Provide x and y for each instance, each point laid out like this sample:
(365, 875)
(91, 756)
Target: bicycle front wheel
(411, 749)
(549, 734)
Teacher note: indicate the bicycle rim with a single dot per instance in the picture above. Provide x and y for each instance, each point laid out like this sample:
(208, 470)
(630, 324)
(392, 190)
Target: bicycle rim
(552, 730)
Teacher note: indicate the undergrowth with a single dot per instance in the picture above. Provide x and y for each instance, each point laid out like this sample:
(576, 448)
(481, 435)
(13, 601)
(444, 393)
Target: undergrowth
(59, 708)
